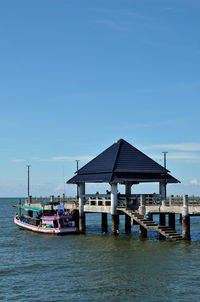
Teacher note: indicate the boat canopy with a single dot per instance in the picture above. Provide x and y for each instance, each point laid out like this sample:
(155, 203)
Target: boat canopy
(32, 209)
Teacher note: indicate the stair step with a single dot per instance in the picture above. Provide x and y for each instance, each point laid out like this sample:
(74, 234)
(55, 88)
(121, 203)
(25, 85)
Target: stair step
(145, 220)
(170, 232)
(175, 236)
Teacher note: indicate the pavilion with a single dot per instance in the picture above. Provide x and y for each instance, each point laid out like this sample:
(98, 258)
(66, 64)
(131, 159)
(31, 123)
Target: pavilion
(121, 163)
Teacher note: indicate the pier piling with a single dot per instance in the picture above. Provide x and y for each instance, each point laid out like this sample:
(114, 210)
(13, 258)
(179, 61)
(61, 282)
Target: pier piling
(82, 225)
(104, 222)
(115, 224)
(172, 220)
(127, 224)
(143, 232)
(162, 219)
(76, 218)
(185, 219)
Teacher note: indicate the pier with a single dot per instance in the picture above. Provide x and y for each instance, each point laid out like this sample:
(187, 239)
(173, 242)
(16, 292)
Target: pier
(138, 205)
(123, 164)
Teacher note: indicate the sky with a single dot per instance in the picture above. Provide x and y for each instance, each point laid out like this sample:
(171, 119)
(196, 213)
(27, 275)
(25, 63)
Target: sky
(78, 75)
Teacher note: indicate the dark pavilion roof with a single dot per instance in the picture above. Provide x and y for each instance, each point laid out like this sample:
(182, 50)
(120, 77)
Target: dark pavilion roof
(121, 163)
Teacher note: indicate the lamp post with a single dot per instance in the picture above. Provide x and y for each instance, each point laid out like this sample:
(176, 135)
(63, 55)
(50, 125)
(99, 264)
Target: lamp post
(77, 161)
(28, 166)
(165, 165)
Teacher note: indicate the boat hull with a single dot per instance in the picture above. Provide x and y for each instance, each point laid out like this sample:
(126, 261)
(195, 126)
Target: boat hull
(39, 229)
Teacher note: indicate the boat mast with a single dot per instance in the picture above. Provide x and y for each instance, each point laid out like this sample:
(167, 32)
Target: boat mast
(28, 166)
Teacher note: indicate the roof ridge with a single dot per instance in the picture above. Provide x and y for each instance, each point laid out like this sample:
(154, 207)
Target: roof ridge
(95, 158)
(117, 154)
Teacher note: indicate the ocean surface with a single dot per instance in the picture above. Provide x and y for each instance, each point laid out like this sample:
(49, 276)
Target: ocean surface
(96, 267)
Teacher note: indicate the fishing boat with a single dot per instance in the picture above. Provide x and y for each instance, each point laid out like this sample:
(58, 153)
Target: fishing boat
(50, 218)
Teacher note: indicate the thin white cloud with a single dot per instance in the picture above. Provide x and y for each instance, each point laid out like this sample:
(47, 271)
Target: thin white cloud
(178, 155)
(178, 147)
(18, 160)
(71, 158)
(57, 158)
(194, 181)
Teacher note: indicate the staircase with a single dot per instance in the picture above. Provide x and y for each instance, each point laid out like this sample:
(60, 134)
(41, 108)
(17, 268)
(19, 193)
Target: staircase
(165, 231)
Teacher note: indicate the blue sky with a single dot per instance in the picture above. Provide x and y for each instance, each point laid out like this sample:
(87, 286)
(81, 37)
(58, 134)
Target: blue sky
(75, 76)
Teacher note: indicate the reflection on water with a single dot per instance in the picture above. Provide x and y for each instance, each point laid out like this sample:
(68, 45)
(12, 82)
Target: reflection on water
(96, 267)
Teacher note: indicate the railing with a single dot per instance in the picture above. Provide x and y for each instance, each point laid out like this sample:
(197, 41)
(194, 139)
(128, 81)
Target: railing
(178, 200)
(123, 200)
(49, 198)
(98, 200)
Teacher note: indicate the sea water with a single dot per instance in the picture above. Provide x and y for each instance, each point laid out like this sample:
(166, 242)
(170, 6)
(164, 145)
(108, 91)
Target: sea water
(96, 267)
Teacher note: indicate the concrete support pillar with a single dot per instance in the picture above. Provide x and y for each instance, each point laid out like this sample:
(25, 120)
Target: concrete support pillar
(162, 190)
(115, 224)
(172, 220)
(113, 198)
(104, 222)
(82, 224)
(143, 232)
(127, 224)
(162, 220)
(128, 193)
(142, 209)
(185, 219)
(115, 216)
